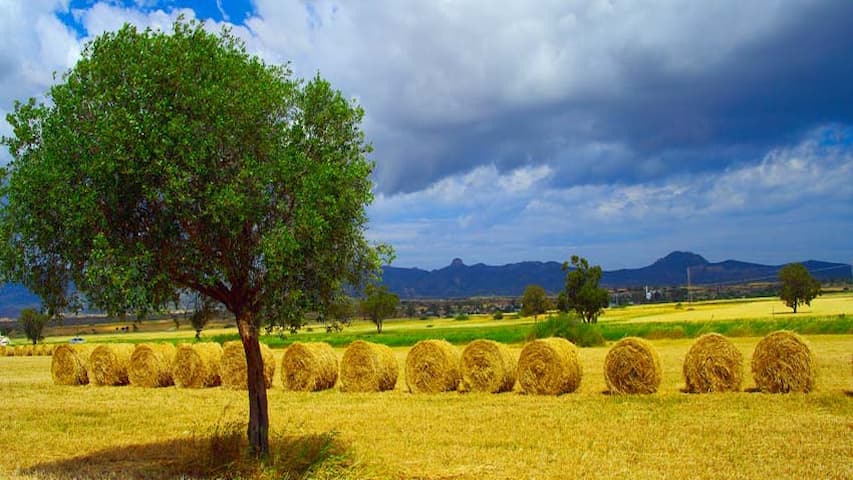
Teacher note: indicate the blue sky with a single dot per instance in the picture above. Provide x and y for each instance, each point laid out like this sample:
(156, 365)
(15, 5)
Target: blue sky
(535, 130)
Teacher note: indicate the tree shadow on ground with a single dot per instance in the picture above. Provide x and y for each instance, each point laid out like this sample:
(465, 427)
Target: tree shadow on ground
(221, 455)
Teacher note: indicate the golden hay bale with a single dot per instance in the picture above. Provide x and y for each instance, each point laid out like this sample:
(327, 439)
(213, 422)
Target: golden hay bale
(432, 366)
(309, 367)
(233, 368)
(487, 366)
(38, 350)
(108, 364)
(21, 351)
(197, 365)
(713, 364)
(48, 349)
(151, 365)
(10, 351)
(2, 350)
(68, 365)
(783, 362)
(549, 366)
(368, 367)
(632, 366)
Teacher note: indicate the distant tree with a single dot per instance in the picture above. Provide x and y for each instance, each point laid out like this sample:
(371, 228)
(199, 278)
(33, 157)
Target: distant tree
(340, 311)
(168, 162)
(582, 292)
(33, 323)
(204, 308)
(378, 305)
(562, 302)
(799, 287)
(534, 301)
(410, 310)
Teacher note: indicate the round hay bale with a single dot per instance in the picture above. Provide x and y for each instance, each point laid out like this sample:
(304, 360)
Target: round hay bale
(432, 366)
(233, 368)
(10, 351)
(309, 367)
(783, 362)
(632, 366)
(151, 365)
(368, 367)
(487, 366)
(108, 364)
(713, 364)
(549, 366)
(197, 365)
(48, 349)
(68, 365)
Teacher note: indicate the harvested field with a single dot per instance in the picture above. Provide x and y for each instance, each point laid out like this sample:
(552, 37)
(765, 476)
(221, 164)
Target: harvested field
(395, 434)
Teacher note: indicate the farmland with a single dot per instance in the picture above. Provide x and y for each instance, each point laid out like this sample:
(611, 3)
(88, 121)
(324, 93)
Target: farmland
(53, 432)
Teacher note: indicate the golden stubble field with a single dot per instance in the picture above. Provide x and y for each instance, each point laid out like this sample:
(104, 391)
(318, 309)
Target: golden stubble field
(53, 432)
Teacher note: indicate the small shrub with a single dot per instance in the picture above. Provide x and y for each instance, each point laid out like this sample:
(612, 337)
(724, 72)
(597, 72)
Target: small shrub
(679, 306)
(461, 317)
(498, 316)
(571, 328)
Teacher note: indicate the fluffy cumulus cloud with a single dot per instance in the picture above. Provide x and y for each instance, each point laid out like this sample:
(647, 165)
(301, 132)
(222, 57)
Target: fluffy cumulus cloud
(529, 130)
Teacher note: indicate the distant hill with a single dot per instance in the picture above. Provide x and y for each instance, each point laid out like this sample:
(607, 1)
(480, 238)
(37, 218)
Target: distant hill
(458, 280)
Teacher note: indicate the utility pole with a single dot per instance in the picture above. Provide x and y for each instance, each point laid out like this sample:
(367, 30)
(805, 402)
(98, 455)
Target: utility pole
(689, 289)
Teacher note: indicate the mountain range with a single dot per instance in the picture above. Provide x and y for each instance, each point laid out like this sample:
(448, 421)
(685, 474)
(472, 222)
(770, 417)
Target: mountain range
(458, 280)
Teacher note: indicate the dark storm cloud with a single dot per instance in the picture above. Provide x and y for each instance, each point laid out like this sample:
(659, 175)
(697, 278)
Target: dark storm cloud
(658, 120)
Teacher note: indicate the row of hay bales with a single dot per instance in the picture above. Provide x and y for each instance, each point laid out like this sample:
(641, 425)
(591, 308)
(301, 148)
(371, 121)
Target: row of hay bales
(152, 365)
(37, 350)
(782, 362)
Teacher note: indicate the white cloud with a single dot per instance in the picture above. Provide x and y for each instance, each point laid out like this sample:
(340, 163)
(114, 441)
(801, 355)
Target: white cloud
(516, 216)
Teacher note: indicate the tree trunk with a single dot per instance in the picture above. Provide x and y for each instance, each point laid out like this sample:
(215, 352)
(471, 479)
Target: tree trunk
(795, 307)
(259, 421)
(379, 326)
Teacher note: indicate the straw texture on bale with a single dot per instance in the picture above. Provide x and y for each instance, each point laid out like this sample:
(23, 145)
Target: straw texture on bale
(713, 364)
(368, 367)
(197, 365)
(2, 350)
(10, 351)
(432, 366)
(151, 365)
(21, 351)
(68, 365)
(309, 367)
(487, 366)
(108, 364)
(632, 366)
(549, 366)
(233, 368)
(783, 362)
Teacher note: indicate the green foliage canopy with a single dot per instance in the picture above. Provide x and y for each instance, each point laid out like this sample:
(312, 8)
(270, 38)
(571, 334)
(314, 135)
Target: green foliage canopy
(378, 305)
(582, 292)
(32, 323)
(534, 301)
(799, 287)
(172, 162)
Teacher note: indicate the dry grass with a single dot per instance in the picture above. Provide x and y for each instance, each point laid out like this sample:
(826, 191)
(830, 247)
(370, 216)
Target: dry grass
(487, 366)
(549, 366)
(432, 366)
(632, 366)
(368, 367)
(783, 362)
(129, 432)
(309, 367)
(151, 365)
(713, 364)
(233, 369)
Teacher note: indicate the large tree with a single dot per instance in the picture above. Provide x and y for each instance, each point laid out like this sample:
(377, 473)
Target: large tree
(583, 294)
(378, 304)
(174, 162)
(799, 287)
(534, 301)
